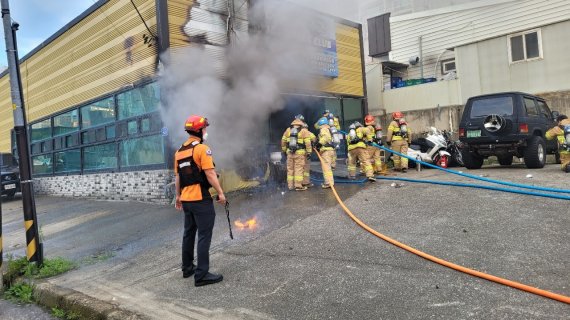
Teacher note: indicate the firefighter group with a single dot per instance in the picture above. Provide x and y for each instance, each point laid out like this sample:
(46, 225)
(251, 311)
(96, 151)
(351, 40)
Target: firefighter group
(298, 143)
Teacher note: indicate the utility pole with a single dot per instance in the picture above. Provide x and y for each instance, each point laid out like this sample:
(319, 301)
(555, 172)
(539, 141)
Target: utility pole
(34, 249)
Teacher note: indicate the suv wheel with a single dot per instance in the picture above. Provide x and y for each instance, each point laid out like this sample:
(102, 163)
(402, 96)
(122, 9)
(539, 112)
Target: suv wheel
(535, 153)
(471, 160)
(10, 195)
(505, 160)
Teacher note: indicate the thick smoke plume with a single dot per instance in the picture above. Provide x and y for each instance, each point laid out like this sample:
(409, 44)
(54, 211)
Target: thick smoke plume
(239, 91)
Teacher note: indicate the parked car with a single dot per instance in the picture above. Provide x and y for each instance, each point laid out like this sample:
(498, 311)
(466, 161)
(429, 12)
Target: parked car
(9, 175)
(505, 125)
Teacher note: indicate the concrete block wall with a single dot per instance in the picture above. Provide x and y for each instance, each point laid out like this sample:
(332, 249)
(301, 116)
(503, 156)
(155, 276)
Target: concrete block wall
(143, 186)
(419, 121)
(558, 101)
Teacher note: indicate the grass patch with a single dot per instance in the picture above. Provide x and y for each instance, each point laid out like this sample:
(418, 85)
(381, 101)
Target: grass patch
(20, 292)
(21, 267)
(62, 314)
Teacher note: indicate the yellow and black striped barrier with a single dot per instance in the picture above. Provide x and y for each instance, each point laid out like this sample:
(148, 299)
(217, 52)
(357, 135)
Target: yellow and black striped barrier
(31, 240)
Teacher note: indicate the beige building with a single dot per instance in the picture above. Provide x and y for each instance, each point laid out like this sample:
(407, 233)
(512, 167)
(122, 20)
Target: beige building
(470, 49)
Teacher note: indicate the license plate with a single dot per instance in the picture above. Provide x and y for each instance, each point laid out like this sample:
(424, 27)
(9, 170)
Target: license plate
(9, 186)
(473, 133)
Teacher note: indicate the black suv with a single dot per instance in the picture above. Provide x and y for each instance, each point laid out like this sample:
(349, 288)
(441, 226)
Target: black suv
(505, 125)
(10, 176)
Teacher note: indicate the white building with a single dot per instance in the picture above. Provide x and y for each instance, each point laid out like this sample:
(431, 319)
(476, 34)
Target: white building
(489, 46)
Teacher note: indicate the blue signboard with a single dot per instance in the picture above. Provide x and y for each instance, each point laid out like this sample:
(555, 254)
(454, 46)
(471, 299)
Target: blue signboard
(326, 58)
(324, 40)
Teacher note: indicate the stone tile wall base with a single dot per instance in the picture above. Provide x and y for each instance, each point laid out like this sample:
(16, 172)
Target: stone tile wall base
(145, 186)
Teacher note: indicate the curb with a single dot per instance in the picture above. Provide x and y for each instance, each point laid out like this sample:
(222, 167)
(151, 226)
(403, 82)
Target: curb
(49, 295)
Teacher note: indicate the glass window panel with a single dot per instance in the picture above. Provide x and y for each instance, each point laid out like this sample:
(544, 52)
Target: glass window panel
(142, 151)
(531, 43)
(42, 164)
(41, 130)
(543, 109)
(145, 125)
(65, 123)
(517, 50)
(483, 107)
(71, 141)
(110, 132)
(133, 127)
(138, 101)
(98, 113)
(100, 157)
(101, 134)
(67, 161)
(87, 137)
(530, 107)
(352, 111)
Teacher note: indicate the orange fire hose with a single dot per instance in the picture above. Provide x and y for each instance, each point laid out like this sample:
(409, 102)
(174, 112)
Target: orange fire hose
(448, 264)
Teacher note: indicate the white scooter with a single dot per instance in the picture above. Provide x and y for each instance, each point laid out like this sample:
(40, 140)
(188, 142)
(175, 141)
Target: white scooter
(431, 149)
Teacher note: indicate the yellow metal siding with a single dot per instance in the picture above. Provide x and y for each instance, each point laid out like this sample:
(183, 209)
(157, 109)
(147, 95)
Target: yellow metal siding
(87, 61)
(349, 81)
(178, 11)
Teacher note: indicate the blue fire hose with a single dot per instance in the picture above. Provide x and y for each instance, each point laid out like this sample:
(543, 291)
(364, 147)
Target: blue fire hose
(459, 184)
(506, 183)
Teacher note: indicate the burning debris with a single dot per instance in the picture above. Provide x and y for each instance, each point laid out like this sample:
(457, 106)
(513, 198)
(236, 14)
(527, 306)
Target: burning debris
(249, 224)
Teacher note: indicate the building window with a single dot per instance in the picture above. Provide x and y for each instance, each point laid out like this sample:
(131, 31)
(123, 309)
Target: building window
(41, 130)
(98, 113)
(65, 123)
(138, 101)
(142, 151)
(67, 161)
(116, 133)
(447, 66)
(525, 46)
(42, 164)
(100, 157)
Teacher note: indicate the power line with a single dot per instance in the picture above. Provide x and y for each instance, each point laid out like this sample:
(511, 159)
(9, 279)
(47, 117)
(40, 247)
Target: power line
(143, 21)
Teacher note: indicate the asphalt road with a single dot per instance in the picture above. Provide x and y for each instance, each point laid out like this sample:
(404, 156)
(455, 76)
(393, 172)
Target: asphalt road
(308, 260)
(13, 311)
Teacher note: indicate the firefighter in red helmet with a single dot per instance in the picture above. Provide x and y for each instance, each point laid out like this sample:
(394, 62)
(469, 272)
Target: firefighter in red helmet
(195, 175)
(399, 135)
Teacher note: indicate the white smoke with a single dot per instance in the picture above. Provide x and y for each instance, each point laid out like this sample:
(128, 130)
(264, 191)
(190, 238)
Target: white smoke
(239, 87)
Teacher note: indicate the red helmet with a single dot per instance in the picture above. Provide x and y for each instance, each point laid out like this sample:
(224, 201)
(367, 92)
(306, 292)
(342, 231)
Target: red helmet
(369, 120)
(195, 123)
(397, 115)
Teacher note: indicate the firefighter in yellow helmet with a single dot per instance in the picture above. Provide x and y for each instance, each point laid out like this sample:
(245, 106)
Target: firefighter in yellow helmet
(296, 143)
(326, 146)
(357, 151)
(399, 136)
(333, 122)
(374, 136)
(562, 134)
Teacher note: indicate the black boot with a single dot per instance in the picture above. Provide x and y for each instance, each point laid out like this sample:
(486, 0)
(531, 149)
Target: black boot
(209, 278)
(187, 272)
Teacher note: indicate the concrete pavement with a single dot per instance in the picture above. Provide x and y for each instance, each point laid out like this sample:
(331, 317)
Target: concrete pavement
(307, 260)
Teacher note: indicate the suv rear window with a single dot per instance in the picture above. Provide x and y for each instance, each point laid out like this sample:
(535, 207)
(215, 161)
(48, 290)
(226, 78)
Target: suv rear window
(497, 105)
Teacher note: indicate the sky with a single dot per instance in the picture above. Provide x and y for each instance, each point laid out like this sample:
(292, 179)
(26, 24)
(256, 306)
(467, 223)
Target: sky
(39, 19)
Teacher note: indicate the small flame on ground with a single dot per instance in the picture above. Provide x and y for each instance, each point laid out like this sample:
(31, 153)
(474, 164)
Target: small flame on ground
(249, 224)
